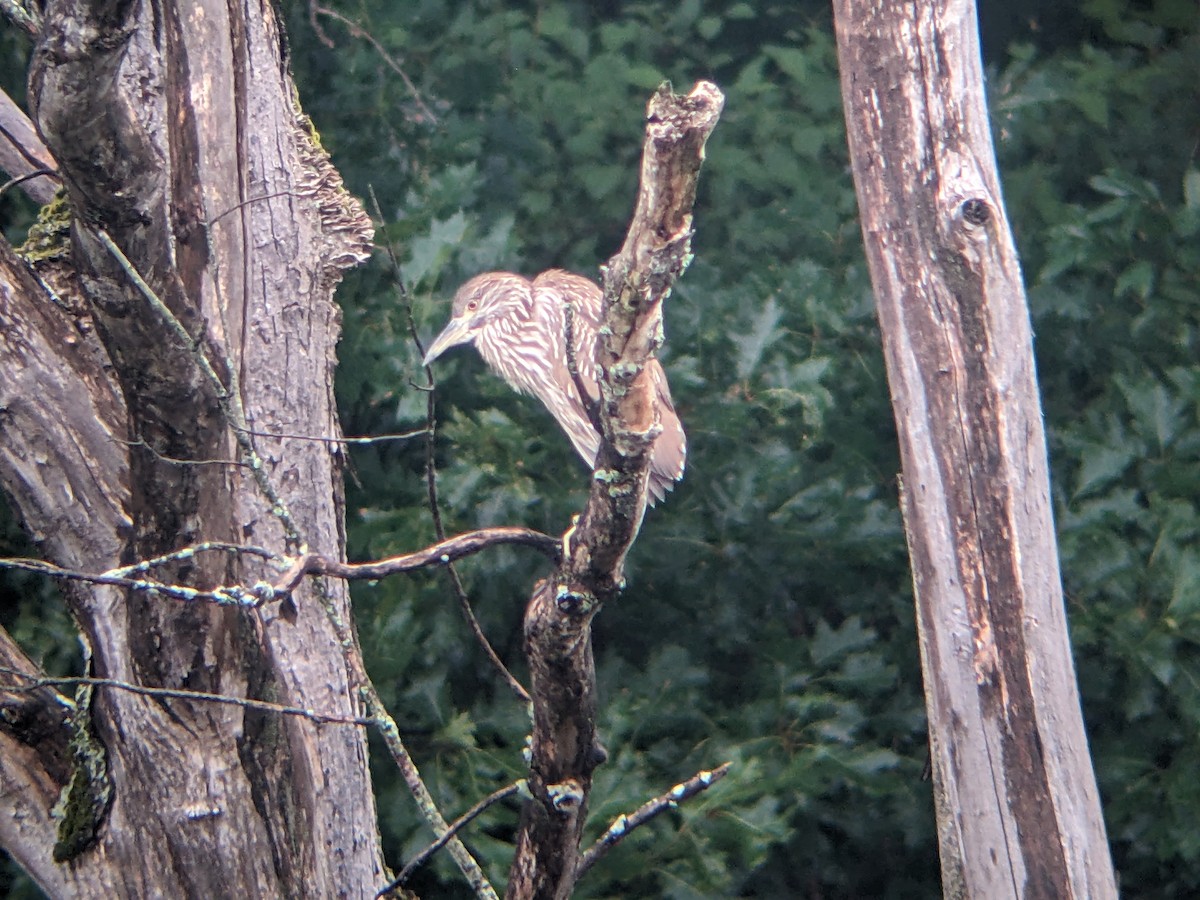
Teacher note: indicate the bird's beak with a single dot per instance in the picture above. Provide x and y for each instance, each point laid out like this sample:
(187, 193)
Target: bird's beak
(456, 332)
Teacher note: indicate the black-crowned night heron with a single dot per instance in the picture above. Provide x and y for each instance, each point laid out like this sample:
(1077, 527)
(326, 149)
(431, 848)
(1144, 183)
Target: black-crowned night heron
(517, 327)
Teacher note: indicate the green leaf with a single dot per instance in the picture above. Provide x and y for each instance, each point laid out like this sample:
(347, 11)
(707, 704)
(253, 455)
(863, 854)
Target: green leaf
(792, 61)
(709, 27)
(1100, 465)
(646, 77)
(1191, 188)
(1094, 106)
(873, 761)
(763, 332)
(828, 645)
(1157, 412)
(458, 733)
(1112, 184)
(1185, 593)
(1138, 279)
(429, 253)
(600, 181)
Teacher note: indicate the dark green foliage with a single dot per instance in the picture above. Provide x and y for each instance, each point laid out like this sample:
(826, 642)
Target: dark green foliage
(768, 619)
(1110, 221)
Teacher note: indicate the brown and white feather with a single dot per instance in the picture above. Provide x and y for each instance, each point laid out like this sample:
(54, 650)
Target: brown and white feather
(518, 327)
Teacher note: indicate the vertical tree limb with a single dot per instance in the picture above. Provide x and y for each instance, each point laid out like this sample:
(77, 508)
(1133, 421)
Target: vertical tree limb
(1018, 810)
(565, 750)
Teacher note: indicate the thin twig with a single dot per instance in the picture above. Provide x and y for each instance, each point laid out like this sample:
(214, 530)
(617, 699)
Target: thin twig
(276, 435)
(622, 825)
(229, 402)
(370, 439)
(590, 406)
(188, 552)
(176, 461)
(223, 595)
(358, 31)
(192, 345)
(440, 554)
(457, 825)
(460, 592)
(40, 681)
(28, 176)
(245, 203)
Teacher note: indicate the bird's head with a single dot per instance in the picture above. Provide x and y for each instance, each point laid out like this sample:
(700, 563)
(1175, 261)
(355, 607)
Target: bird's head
(483, 303)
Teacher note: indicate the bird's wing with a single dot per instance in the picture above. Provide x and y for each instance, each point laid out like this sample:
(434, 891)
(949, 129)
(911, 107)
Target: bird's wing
(552, 291)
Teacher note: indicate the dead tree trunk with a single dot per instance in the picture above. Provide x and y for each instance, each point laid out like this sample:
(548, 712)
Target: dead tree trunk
(1016, 799)
(565, 749)
(148, 359)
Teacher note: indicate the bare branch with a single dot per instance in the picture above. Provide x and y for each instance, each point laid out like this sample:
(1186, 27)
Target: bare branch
(592, 407)
(564, 747)
(622, 825)
(187, 552)
(460, 592)
(28, 176)
(33, 683)
(368, 439)
(275, 435)
(358, 31)
(223, 595)
(23, 15)
(457, 825)
(637, 280)
(440, 554)
(176, 461)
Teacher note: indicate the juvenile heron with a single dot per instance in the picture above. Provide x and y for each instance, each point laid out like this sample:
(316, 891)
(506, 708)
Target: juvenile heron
(517, 327)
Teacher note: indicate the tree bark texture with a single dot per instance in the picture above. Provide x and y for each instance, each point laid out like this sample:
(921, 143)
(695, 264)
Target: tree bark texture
(565, 749)
(1016, 800)
(187, 164)
(22, 152)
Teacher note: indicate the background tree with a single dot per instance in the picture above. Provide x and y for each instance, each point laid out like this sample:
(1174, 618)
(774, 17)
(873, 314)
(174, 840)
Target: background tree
(1017, 807)
(768, 619)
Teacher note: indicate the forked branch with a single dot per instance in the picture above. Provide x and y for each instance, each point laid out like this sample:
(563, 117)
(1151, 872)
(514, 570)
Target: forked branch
(565, 750)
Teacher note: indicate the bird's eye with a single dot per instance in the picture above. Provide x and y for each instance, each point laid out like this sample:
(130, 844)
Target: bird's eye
(472, 306)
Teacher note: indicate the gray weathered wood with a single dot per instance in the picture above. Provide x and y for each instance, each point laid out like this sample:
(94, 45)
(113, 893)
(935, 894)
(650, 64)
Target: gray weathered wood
(176, 130)
(1016, 799)
(23, 153)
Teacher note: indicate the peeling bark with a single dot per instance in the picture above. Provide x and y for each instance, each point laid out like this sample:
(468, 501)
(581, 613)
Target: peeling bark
(1016, 799)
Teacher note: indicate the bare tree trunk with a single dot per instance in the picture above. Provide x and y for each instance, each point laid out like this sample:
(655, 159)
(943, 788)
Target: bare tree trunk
(1017, 805)
(136, 421)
